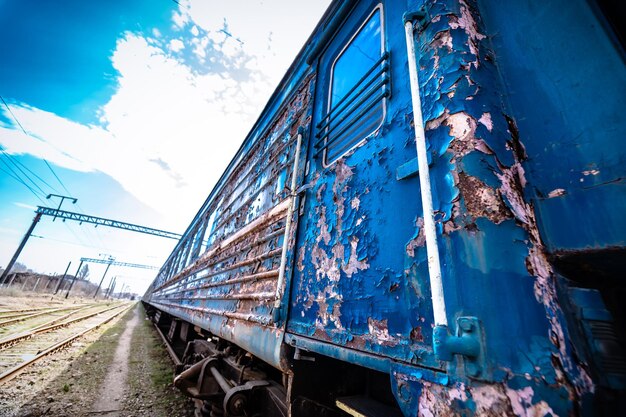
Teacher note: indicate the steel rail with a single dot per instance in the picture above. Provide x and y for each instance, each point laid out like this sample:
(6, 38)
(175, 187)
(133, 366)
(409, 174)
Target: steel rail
(12, 316)
(25, 311)
(30, 316)
(16, 370)
(30, 311)
(168, 346)
(50, 326)
(63, 317)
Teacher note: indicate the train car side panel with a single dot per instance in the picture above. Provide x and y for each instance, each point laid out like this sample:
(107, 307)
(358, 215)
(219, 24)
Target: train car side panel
(355, 284)
(573, 138)
(223, 276)
(354, 315)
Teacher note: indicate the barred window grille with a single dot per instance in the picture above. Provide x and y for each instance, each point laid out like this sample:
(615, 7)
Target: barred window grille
(358, 89)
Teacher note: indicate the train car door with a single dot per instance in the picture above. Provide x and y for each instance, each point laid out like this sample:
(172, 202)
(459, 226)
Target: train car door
(360, 279)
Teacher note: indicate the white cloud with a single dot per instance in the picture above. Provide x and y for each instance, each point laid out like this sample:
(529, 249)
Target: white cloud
(176, 120)
(273, 31)
(179, 19)
(176, 45)
(26, 206)
(162, 111)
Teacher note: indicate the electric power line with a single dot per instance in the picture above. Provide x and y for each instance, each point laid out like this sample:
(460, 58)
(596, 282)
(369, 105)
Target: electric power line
(14, 118)
(19, 178)
(17, 165)
(16, 176)
(57, 177)
(27, 134)
(74, 243)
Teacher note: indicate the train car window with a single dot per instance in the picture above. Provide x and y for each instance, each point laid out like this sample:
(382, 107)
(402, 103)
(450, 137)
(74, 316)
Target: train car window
(357, 91)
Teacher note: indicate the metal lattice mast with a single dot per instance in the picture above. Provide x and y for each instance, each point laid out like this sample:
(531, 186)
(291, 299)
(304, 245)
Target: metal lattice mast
(81, 218)
(84, 218)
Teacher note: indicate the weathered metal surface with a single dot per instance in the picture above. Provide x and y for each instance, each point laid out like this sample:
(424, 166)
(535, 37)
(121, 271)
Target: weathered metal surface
(356, 284)
(569, 116)
(497, 266)
(512, 174)
(223, 274)
(362, 284)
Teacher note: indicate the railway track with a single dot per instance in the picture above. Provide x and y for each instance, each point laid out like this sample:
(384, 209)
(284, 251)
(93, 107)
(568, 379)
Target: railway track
(11, 312)
(26, 315)
(43, 319)
(20, 351)
(55, 323)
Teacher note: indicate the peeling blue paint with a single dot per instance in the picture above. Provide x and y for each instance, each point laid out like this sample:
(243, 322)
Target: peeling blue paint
(506, 169)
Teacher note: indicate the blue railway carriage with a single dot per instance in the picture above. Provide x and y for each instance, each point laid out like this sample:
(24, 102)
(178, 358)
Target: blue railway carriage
(427, 219)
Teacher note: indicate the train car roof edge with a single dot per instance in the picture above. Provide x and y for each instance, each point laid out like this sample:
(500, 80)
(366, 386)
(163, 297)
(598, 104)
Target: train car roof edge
(303, 55)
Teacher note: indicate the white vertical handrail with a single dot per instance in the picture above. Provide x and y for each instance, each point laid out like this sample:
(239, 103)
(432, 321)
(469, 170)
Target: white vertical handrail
(292, 205)
(432, 250)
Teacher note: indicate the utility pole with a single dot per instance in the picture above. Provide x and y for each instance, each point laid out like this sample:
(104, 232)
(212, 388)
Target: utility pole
(122, 290)
(62, 278)
(67, 294)
(27, 235)
(111, 284)
(49, 281)
(24, 283)
(62, 197)
(104, 275)
(113, 289)
(5, 274)
(36, 283)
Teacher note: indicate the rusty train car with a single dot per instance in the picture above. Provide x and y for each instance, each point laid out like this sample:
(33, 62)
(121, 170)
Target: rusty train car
(427, 219)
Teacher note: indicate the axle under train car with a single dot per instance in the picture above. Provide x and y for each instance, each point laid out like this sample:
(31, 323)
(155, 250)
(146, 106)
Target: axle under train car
(427, 219)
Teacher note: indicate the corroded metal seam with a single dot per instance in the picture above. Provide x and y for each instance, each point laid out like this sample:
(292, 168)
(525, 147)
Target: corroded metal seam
(239, 235)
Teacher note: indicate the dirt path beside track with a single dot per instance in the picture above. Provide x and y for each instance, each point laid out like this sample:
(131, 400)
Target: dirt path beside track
(87, 379)
(114, 387)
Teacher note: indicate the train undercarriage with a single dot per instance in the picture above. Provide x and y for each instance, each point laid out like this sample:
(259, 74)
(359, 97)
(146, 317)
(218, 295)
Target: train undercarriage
(225, 380)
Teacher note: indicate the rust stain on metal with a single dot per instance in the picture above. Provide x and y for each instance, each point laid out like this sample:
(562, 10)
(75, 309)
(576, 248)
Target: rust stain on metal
(334, 251)
(462, 129)
(482, 200)
(419, 241)
(245, 224)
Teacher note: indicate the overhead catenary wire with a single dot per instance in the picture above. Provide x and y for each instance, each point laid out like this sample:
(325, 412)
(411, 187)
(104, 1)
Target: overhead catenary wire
(17, 121)
(11, 172)
(22, 168)
(57, 177)
(16, 176)
(13, 115)
(75, 244)
(41, 192)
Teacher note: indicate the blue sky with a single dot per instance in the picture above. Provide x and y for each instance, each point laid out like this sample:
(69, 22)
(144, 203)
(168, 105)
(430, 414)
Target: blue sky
(137, 106)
